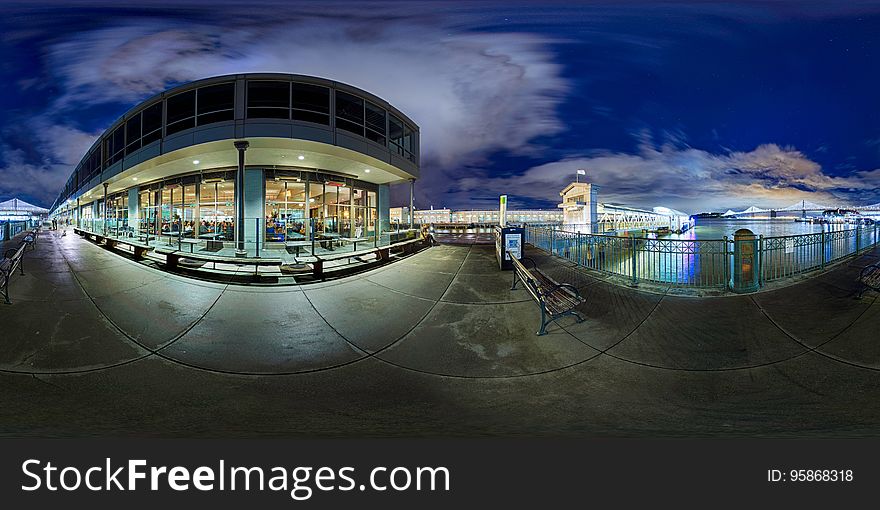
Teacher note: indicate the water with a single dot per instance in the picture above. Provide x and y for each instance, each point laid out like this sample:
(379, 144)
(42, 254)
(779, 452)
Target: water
(718, 228)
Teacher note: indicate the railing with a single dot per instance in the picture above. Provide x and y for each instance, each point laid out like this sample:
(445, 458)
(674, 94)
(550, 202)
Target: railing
(10, 229)
(701, 263)
(262, 238)
(784, 256)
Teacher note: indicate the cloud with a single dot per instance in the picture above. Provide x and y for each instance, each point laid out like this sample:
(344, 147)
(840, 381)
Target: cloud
(688, 179)
(58, 151)
(472, 93)
(19, 178)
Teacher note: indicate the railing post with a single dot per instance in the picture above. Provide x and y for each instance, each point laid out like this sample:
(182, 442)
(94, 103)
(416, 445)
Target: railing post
(635, 280)
(761, 260)
(552, 239)
(727, 263)
(578, 248)
(858, 237)
(823, 246)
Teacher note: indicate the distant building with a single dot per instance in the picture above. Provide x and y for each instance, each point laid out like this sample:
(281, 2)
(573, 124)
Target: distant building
(425, 216)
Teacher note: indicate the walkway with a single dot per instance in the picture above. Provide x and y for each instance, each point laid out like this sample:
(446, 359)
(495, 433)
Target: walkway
(435, 344)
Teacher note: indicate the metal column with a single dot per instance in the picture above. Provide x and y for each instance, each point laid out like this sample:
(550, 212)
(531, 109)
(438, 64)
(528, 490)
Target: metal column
(241, 146)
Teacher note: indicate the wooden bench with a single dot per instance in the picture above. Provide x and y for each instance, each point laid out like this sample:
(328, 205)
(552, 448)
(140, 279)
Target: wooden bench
(30, 240)
(555, 300)
(8, 264)
(408, 246)
(138, 248)
(869, 278)
(172, 259)
(318, 262)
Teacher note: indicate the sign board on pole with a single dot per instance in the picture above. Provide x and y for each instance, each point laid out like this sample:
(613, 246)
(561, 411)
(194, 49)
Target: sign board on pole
(513, 242)
(502, 213)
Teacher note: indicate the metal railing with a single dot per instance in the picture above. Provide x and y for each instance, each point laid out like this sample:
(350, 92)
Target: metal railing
(10, 229)
(700, 263)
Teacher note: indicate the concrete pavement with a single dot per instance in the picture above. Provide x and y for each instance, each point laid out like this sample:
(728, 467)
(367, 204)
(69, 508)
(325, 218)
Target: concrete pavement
(435, 344)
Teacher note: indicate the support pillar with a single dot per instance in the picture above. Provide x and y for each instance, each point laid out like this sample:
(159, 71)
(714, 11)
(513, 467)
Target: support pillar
(412, 186)
(104, 216)
(383, 196)
(241, 146)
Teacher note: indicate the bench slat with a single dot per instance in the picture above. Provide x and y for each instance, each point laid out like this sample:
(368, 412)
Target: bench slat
(554, 299)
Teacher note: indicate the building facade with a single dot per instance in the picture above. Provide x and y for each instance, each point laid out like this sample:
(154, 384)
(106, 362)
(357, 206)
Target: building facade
(319, 158)
(427, 216)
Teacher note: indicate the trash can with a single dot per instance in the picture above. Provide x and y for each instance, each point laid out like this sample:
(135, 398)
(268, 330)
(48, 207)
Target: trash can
(508, 238)
(745, 261)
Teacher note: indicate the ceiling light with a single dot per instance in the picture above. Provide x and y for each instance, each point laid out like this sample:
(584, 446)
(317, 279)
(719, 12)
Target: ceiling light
(367, 170)
(300, 157)
(195, 162)
(134, 178)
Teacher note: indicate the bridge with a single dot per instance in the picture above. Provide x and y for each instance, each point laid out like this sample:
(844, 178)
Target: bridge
(800, 210)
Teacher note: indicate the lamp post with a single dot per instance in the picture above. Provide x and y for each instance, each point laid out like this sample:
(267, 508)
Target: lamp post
(241, 146)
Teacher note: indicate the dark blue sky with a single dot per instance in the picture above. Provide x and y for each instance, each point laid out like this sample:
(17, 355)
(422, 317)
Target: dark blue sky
(692, 105)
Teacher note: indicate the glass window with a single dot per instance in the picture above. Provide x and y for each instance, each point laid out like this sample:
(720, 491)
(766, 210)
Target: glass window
(152, 123)
(133, 134)
(181, 112)
(147, 212)
(217, 211)
(349, 113)
(188, 210)
(311, 103)
(375, 123)
(216, 103)
(115, 145)
(401, 139)
(285, 210)
(268, 99)
(395, 134)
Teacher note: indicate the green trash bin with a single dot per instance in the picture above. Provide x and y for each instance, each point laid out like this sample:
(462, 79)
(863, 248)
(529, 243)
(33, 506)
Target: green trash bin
(745, 261)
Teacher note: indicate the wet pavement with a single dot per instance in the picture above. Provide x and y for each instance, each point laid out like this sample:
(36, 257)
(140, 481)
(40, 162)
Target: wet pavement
(435, 344)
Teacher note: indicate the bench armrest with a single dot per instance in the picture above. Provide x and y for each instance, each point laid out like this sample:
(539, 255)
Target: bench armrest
(865, 271)
(569, 286)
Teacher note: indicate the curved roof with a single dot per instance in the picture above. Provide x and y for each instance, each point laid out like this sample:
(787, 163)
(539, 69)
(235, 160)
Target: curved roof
(294, 121)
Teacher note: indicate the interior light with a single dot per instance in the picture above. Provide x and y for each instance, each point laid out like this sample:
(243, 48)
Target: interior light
(367, 170)
(311, 200)
(300, 157)
(134, 178)
(195, 162)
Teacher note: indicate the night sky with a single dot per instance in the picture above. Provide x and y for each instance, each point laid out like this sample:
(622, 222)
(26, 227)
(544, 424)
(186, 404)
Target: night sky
(692, 105)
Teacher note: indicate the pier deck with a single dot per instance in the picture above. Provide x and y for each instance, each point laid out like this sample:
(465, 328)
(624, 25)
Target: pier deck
(436, 344)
